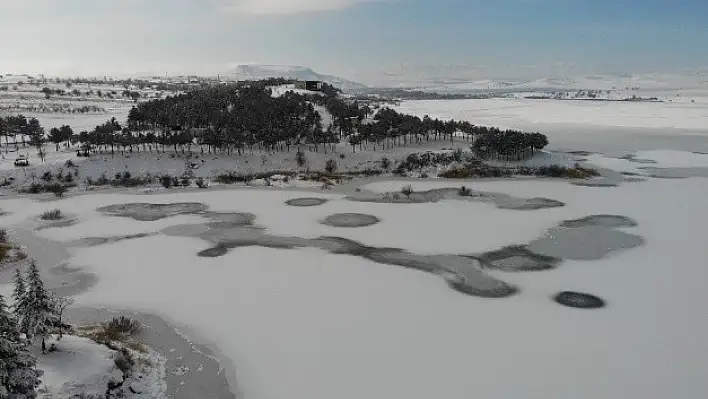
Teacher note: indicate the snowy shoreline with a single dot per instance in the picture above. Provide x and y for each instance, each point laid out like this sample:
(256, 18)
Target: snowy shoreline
(190, 364)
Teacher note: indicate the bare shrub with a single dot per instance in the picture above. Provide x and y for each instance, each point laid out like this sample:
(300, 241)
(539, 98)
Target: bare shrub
(166, 181)
(201, 183)
(54, 214)
(385, 163)
(57, 189)
(300, 159)
(331, 166)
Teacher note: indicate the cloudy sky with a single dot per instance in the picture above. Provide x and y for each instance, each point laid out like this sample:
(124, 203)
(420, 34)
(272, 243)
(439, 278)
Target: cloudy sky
(368, 40)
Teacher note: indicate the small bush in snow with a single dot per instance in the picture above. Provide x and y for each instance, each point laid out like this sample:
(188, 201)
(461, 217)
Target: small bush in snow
(331, 166)
(185, 182)
(175, 181)
(69, 178)
(385, 163)
(54, 214)
(300, 159)
(407, 191)
(424, 175)
(166, 181)
(70, 164)
(102, 180)
(57, 189)
(34, 188)
(342, 156)
(47, 176)
(3, 236)
(464, 191)
(126, 175)
(201, 183)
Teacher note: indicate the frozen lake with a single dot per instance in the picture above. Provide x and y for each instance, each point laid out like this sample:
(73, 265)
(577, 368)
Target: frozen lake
(599, 126)
(291, 314)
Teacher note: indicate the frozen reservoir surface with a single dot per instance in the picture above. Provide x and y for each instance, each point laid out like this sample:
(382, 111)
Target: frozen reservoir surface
(291, 317)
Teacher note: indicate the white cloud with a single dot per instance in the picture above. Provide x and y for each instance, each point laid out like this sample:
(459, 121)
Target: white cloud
(275, 7)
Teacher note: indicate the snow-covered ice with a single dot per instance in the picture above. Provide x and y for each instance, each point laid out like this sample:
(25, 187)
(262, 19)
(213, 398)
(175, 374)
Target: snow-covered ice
(307, 324)
(599, 126)
(515, 113)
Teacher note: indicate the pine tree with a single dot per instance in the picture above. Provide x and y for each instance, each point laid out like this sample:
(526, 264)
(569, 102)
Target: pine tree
(34, 311)
(20, 287)
(18, 374)
(19, 295)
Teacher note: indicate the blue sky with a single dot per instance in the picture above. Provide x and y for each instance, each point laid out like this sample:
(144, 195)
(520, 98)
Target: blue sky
(369, 40)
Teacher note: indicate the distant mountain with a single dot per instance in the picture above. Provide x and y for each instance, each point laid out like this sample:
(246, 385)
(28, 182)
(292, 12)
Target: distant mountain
(256, 72)
(620, 82)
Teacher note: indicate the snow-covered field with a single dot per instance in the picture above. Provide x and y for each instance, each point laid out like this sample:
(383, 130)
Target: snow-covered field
(305, 323)
(602, 126)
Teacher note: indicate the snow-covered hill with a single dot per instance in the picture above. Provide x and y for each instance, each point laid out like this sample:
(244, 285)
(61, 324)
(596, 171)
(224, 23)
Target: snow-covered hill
(256, 72)
(653, 82)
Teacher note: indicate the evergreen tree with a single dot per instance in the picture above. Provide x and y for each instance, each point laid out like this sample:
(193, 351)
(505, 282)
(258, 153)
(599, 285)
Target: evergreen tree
(18, 374)
(20, 287)
(19, 296)
(35, 311)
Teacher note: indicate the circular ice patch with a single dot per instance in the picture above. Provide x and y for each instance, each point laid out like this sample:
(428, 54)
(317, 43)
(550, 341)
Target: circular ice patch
(610, 221)
(306, 201)
(579, 300)
(213, 252)
(350, 220)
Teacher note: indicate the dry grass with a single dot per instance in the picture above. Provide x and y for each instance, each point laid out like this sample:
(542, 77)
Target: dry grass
(4, 251)
(137, 346)
(11, 253)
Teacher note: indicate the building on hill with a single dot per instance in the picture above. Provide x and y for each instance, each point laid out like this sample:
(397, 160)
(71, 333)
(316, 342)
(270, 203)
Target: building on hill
(311, 85)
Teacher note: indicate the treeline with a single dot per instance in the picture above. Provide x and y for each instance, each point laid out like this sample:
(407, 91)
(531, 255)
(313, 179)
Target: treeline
(246, 116)
(403, 94)
(509, 144)
(111, 94)
(18, 125)
(57, 108)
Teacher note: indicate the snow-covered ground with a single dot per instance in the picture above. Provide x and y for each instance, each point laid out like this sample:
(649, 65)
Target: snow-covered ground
(206, 165)
(600, 126)
(80, 365)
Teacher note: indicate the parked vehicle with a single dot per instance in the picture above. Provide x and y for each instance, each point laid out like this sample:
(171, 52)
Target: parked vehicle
(22, 160)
